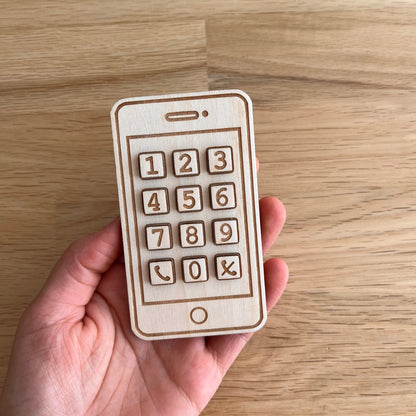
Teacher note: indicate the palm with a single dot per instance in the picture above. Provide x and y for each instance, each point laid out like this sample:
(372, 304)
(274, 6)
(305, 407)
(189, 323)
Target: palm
(75, 353)
(159, 377)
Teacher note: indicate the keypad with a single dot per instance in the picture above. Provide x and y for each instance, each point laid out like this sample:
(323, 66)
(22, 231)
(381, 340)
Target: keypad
(187, 200)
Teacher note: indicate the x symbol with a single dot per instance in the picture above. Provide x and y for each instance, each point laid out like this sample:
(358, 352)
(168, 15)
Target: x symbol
(227, 269)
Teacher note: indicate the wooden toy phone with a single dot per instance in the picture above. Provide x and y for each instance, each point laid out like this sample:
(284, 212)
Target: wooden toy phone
(186, 174)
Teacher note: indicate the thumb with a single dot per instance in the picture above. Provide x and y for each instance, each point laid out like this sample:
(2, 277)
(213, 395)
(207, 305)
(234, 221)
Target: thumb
(77, 273)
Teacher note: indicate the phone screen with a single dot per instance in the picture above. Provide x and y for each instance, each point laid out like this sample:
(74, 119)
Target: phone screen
(187, 144)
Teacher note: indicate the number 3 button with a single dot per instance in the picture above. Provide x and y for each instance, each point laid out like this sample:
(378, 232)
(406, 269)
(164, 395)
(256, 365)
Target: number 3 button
(220, 159)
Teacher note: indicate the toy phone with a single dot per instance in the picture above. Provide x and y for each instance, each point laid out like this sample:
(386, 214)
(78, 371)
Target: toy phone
(186, 174)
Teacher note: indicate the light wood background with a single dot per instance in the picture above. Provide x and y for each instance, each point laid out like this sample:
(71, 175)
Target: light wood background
(334, 91)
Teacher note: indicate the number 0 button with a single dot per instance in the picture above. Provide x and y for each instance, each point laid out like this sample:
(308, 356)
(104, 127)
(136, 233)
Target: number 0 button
(194, 269)
(155, 201)
(186, 162)
(222, 196)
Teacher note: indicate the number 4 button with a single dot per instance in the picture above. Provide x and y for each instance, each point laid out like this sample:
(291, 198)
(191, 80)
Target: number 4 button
(220, 159)
(155, 201)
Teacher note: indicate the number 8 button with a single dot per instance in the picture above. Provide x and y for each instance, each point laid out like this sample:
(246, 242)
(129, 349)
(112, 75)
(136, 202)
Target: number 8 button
(192, 234)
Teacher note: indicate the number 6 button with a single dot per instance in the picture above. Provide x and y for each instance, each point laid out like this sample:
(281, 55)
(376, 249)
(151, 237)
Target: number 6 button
(152, 165)
(222, 196)
(188, 198)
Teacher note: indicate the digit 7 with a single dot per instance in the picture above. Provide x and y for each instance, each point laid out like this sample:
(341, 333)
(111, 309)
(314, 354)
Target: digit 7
(160, 231)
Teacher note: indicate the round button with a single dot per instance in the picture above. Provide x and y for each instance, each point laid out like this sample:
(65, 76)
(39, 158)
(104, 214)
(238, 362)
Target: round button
(199, 315)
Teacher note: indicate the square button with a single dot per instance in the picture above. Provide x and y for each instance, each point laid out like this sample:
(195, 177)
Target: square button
(162, 272)
(158, 236)
(186, 162)
(192, 234)
(228, 266)
(220, 159)
(225, 231)
(188, 198)
(195, 269)
(152, 165)
(222, 196)
(155, 201)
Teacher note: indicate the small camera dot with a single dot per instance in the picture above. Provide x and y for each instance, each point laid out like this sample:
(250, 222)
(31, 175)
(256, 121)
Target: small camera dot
(205, 113)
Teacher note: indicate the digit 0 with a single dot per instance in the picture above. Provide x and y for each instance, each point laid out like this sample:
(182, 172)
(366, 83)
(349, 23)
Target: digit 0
(196, 275)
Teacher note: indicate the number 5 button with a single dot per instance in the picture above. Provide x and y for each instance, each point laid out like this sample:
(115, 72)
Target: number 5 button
(188, 198)
(222, 196)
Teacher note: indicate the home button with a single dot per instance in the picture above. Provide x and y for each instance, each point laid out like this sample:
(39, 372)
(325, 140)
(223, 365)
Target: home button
(199, 315)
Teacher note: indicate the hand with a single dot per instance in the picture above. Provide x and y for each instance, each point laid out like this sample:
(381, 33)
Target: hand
(75, 354)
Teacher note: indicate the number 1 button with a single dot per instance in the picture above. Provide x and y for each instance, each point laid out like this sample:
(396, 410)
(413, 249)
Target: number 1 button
(152, 165)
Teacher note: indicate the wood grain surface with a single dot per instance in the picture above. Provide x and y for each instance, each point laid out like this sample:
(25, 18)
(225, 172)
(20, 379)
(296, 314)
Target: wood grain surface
(333, 85)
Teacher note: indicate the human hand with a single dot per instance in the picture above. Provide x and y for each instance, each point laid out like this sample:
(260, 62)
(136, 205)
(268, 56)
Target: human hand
(75, 354)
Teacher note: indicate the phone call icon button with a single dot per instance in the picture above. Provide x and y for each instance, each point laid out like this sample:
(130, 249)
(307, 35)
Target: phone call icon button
(199, 315)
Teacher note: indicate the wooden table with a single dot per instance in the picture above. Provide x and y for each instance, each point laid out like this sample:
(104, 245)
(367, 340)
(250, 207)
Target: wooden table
(334, 91)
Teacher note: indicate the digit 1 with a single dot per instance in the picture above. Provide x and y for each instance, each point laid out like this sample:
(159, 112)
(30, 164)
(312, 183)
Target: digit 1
(152, 170)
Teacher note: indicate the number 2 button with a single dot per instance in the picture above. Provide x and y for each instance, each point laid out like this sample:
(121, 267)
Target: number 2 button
(186, 162)
(155, 201)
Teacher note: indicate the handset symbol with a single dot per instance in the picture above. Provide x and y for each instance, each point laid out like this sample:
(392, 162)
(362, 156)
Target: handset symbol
(157, 271)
